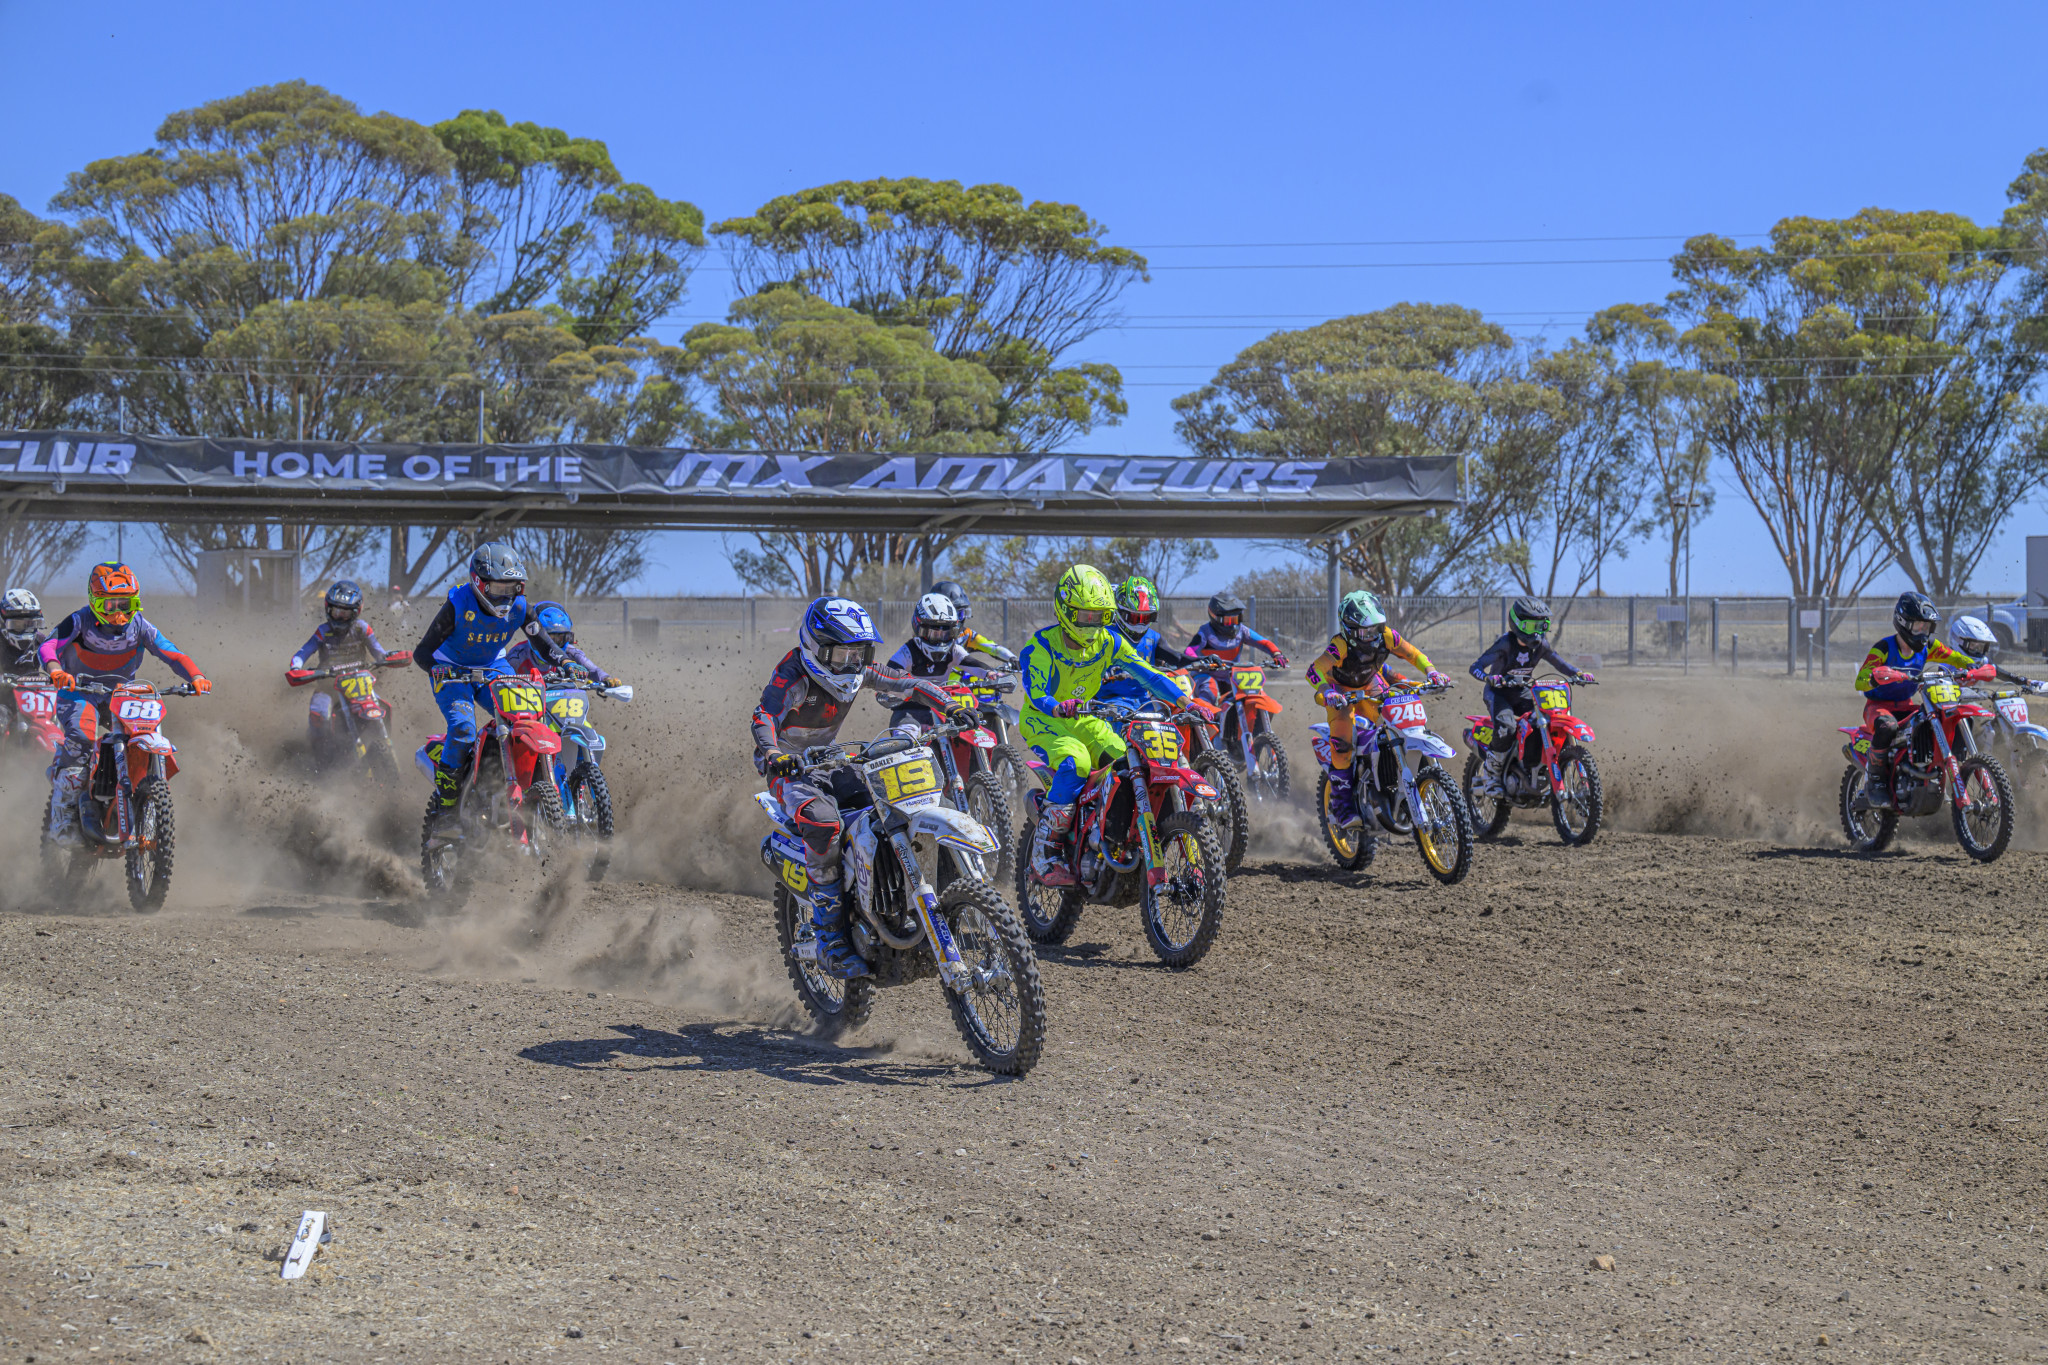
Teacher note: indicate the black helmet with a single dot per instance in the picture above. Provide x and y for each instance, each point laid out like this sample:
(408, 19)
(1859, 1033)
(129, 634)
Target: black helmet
(957, 595)
(1226, 610)
(1529, 617)
(498, 574)
(344, 602)
(1914, 618)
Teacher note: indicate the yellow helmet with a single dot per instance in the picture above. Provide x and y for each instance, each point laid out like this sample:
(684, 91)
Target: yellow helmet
(1084, 602)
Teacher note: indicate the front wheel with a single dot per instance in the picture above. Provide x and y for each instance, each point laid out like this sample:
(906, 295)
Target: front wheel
(1014, 770)
(1489, 813)
(1049, 912)
(1443, 827)
(989, 804)
(444, 868)
(1181, 901)
(1576, 808)
(836, 1007)
(1868, 831)
(1001, 1012)
(1221, 774)
(592, 823)
(1984, 827)
(1353, 846)
(149, 863)
(1266, 779)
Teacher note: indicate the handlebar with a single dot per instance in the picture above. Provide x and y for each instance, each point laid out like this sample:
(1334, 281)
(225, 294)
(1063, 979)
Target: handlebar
(100, 690)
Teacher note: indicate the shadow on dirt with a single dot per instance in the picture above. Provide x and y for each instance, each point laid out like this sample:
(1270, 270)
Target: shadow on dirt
(769, 1052)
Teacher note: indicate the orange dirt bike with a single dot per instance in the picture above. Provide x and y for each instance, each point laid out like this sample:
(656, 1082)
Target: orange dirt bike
(1248, 726)
(363, 715)
(125, 810)
(1548, 766)
(1936, 759)
(508, 794)
(1141, 834)
(31, 722)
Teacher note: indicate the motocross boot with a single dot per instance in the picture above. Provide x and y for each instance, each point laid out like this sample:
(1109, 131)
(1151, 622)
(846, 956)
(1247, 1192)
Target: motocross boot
(65, 790)
(836, 956)
(1343, 804)
(1877, 785)
(1049, 861)
(447, 824)
(1487, 782)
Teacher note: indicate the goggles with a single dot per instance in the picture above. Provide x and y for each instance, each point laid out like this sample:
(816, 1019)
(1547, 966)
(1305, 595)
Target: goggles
(1535, 630)
(1140, 619)
(1976, 649)
(845, 658)
(504, 590)
(1085, 617)
(343, 613)
(1374, 635)
(937, 633)
(1920, 630)
(1234, 618)
(120, 606)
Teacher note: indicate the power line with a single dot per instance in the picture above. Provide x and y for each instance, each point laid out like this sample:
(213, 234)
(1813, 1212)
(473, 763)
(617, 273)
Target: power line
(1430, 241)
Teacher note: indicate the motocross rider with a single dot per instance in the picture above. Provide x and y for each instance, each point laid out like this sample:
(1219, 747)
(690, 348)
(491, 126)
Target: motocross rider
(1505, 668)
(936, 649)
(102, 643)
(343, 638)
(1356, 659)
(1888, 679)
(1137, 608)
(1225, 637)
(561, 632)
(21, 634)
(1063, 666)
(470, 633)
(970, 638)
(803, 705)
(1972, 637)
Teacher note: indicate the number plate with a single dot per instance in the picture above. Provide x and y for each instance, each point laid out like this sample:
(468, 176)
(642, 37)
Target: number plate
(1482, 734)
(1944, 693)
(905, 778)
(1408, 714)
(1161, 743)
(1250, 679)
(794, 877)
(2013, 709)
(1184, 683)
(517, 698)
(570, 707)
(356, 686)
(38, 703)
(1552, 699)
(140, 708)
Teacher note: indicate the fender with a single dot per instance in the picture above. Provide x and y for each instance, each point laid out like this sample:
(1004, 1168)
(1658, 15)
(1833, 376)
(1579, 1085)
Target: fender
(953, 827)
(1571, 727)
(535, 734)
(2032, 731)
(1422, 741)
(143, 747)
(784, 856)
(1173, 775)
(1969, 710)
(1261, 702)
(769, 804)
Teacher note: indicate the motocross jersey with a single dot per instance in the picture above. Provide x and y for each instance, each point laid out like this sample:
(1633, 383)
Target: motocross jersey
(918, 664)
(1516, 661)
(524, 658)
(1346, 665)
(1210, 640)
(795, 714)
(335, 644)
(1053, 674)
(975, 642)
(86, 649)
(29, 656)
(1886, 653)
(1153, 649)
(465, 634)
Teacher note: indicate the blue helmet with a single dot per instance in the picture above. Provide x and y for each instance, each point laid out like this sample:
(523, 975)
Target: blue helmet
(837, 643)
(554, 619)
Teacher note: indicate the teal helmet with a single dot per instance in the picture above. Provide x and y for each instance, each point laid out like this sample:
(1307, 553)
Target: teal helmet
(1362, 619)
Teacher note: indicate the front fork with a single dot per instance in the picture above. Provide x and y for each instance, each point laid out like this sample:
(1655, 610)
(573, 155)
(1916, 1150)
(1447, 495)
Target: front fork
(944, 953)
(1949, 767)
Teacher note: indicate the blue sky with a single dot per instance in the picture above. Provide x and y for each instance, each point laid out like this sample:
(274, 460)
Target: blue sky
(1214, 138)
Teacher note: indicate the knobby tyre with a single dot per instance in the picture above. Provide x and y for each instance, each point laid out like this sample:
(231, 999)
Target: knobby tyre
(592, 797)
(1868, 831)
(1489, 813)
(836, 1007)
(1184, 912)
(1001, 1013)
(149, 867)
(1353, 846)
(443, 868)
(1049, 912)
(1268, 780)
(1445, 838)
(1577, 809)
(989, 804)
(1985, 828)
(1014, 767)
(1221, 774)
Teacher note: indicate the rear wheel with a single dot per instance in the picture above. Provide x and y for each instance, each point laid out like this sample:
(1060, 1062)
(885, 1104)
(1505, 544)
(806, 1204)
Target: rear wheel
(1984, 827)
(989, 804)
(835, 1006)
(1577, 807)
(1184, 910)
(149, 864)
(1236, 819)
(1868, 831)
(1001, 1013)
(592, 823)
(1267, 778)
(1049, 912)
(1014, 768)
(1352, 846)
(1443, 827)
(443, 861)
(1489, 813)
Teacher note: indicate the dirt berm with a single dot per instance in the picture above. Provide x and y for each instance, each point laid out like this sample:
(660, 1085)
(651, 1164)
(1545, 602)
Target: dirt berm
(1710, 1089)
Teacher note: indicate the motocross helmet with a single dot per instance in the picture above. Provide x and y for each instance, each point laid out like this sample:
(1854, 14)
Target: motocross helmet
(1226, 613)
(554, 619)
(344, 602)
(957, 595)
(1137, 606)
(21, 619)
(1363, 622)
(1084, 602)
(1972, 637)
(114, 593)
(934, 626)
(498, 575)
(1529, 618)
(836, 643)
(1913, 619)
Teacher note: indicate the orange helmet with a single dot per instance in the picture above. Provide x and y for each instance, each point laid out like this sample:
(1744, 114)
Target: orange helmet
(114, 593)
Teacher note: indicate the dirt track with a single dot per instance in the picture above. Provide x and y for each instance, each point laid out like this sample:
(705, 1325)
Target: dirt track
(1791, 1093)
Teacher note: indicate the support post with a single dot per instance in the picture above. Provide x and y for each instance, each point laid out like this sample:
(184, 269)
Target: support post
(1006, 623)
(625, 619)
(1791, 634)
(1714, 633)
(1631, 630)
(1824, 638)
(1735, 654)
(924, 570)
(1251, 612)
(1330, 581)
(753, 607)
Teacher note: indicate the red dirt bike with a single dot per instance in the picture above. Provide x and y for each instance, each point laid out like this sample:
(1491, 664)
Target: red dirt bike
(125, 810)
(1201, 726)
(1548, 766)
(1248, 726)
(1011, 764)
(1935, 759)
(362, 715)
(508, 794)
(33, 722)
(1140, 835)
(975, 784)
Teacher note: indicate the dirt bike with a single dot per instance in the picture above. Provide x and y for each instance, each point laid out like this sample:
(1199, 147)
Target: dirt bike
(966, 755)
(125, 809)
(579, 778)
(2010, 732)
(1935, 759)
(1399, 781)
(362, 715)
(1200, 725)
(922, 906)
(1548, 766)
(1008, 758)
(1140, 834)
(1248, 726)
(508, 792)
(32, 724)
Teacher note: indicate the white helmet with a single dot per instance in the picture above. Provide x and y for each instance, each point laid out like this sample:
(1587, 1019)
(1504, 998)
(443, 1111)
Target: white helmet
(1971, 636)
(934, 626)
(21, 617)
